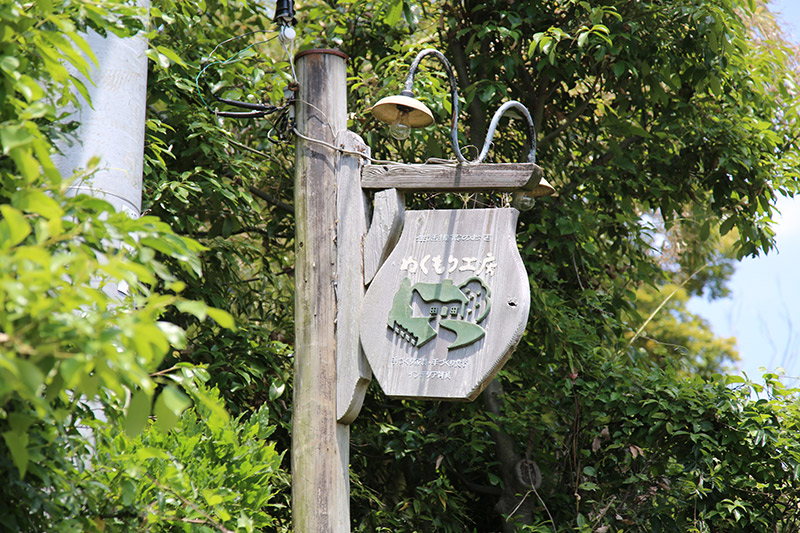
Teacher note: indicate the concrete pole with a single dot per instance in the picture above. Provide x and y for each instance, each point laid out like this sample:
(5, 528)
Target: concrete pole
(112, 129)
(320, 445)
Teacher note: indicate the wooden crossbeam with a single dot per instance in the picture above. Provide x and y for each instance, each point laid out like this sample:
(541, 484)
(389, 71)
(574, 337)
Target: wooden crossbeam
(452, 177)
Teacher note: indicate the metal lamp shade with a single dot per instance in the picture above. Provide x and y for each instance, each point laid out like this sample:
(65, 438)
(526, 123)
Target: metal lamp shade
(542, 189)
(390, 108)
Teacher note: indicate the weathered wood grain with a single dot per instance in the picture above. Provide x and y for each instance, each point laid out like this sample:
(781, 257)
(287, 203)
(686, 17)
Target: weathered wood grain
(452, 177)
(448, 306)
(352, 370)
(387, 221)
(320, 451)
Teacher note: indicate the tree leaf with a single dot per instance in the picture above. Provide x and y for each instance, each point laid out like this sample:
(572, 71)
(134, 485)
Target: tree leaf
(14, 136)
(394, 13)
(727, 225)
(30, 376)
(193, 307)
(169, 406)
(223, 318)
(138, 412)
(13, 227)
(171, 55)
(36, 201)
(18, 446)
(212, 497)
(276, 390)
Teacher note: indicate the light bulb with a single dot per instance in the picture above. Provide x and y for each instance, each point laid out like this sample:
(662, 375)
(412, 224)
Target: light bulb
(522, 200)
(399, 129)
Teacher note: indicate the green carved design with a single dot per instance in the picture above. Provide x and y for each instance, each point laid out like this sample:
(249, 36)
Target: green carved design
(402, 321)
(458, 308)
(444, 292)
(466, 332)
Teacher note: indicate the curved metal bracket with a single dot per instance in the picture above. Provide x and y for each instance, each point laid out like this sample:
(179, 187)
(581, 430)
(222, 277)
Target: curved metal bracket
(513, 104)
(451, 77)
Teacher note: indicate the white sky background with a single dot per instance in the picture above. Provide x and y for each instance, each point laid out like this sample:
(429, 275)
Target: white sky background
(763, 311)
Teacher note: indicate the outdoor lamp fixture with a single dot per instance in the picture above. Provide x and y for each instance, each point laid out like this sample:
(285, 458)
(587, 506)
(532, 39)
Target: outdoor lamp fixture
(522, 200)
(403, 112)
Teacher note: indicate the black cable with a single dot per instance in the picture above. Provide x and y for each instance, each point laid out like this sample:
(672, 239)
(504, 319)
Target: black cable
(245, 105)
(257, 110)
(241, 114)
(284, 17)
(282, 129)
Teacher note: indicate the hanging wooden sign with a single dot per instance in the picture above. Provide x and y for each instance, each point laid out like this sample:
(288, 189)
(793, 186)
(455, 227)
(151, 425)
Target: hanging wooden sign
(448, 306)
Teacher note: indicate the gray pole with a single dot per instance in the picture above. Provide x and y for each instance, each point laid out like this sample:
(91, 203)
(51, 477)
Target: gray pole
(320, 445)
(112, 129)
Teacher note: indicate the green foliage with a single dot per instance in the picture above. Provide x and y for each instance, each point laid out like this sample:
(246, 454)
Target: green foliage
(65, 344)
(209, 472)
(37, 48)
(687, 455)
(226, 183)
(430, 506)
(79, 360)
(639, 118)
(646, 111)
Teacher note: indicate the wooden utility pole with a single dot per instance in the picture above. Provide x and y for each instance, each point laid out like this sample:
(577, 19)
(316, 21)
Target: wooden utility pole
(320, 445)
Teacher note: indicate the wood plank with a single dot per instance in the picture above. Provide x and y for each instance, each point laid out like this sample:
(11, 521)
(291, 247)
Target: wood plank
(452, 177)
(448, 306)
(352, 370)
(384, 230)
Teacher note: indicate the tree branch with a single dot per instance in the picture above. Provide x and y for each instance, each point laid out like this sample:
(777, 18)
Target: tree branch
(186, 502)
(603, 160)
(568, 121)
(541, 100)
(247, 229)
(271, 199)
(477, 114)
(509, 503)
(606, 157)
(249, 149)
(477, 488)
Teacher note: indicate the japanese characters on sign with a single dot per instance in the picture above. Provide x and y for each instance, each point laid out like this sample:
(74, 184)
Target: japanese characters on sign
(447, 308)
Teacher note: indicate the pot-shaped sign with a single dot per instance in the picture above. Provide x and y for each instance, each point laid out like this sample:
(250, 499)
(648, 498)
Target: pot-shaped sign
(448, 306)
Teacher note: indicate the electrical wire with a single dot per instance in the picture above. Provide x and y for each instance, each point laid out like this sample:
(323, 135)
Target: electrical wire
(282, 129)
(287, 35)
(235, 57)
(429, 161)
(343, 151)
